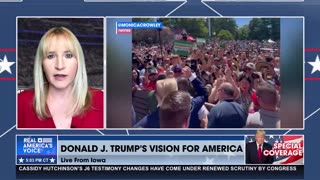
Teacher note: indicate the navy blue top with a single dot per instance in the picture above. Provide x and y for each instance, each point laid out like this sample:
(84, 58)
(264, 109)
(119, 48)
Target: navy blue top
(227, 114)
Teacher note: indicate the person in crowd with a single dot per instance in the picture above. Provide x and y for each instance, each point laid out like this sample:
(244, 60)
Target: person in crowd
(268, 115)
(227, 113)
(169, 73)
(61, 97)
(150, 78)
(152, 96)
(274, 62)
(177, 70)
(248, 71)
(163, 87)
(136, 80)
(174, 60)
(245, 92)
(175, 110)
(277, 66)
(202, 120)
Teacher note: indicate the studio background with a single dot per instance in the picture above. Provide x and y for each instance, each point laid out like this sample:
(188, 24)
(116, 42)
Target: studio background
(89, 32)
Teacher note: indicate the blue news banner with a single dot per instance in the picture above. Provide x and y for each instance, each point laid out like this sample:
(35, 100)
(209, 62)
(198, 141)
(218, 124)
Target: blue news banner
(200, 157)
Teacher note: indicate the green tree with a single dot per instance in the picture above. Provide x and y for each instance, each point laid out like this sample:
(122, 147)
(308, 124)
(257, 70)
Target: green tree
(255, 27)
(243, 32)
(225, 35)
(151, 36)
(264, 29)
(275, 29)
(218, 24)
(196, 27)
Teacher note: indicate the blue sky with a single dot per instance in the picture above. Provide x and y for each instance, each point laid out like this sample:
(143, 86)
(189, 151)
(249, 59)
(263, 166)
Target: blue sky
(242, 21)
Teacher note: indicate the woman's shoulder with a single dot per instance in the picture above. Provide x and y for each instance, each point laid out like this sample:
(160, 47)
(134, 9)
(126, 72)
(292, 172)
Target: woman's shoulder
(26, 94)
(97, 97)
(96, 92)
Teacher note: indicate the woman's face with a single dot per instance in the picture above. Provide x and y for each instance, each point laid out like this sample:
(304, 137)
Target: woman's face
(244, 84)
(134, 74)
(60, 64)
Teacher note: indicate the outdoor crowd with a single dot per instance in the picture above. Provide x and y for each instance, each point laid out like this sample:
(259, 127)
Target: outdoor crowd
(219, 84)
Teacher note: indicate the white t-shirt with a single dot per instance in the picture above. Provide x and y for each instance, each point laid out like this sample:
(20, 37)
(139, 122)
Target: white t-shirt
(264, 118)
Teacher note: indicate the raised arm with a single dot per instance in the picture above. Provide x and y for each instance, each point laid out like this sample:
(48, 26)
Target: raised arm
(229, 79)
(196, 83)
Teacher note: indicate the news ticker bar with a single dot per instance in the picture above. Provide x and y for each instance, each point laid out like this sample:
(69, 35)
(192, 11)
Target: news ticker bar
(151, 150)
(161, 171)
(130, 150)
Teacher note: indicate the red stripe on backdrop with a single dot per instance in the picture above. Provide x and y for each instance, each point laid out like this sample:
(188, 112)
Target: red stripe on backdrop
(311, 79)
(7, 49)
(292, 160)
(7, 79)
(312, 49)
(290, 138)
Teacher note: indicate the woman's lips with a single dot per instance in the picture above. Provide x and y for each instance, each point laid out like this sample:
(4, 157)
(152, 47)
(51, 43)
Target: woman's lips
(60, 77)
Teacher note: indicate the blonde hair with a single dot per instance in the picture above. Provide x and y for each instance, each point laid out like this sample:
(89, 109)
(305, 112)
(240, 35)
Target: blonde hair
(261, 131)
(165, 86)
(81, 95)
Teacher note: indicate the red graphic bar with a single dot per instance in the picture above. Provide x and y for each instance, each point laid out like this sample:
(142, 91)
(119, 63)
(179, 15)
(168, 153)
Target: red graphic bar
(7, 78)
(7, 49)
(124, 31)
(312, 79)
(312, 49)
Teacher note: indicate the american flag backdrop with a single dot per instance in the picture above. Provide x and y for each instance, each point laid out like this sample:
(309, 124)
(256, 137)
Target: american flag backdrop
(288, 160)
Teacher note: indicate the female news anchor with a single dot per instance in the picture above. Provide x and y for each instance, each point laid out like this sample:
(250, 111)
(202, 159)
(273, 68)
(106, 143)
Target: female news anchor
(61, 97)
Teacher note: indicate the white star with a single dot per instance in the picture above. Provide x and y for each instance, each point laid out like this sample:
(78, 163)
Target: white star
(271, 136)
(170, 154)
(21, 160)
(209, 160)
(52, 160)
(315, 65)
(251, 140)
(5, 65)
(229, 154)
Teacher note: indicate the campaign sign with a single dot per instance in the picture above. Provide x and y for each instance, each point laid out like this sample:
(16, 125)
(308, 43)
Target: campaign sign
(182, 47)
(36, 150)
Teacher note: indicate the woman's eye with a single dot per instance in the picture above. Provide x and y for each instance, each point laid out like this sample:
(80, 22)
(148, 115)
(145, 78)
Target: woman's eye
(50, 56)
(69, 55)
